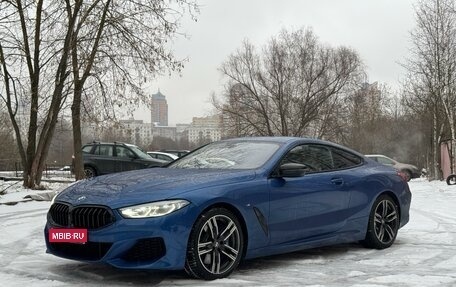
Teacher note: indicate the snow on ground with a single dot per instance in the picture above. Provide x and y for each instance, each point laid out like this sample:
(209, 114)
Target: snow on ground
(424, 253)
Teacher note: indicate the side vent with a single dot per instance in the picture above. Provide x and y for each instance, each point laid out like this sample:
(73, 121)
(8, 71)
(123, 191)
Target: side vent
(261, 220)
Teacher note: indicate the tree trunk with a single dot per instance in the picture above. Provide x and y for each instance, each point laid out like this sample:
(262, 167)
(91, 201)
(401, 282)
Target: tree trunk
(37, 163)
(28, 174)
(77, 139)
(78, 164)
(453, 137)
(435, 143)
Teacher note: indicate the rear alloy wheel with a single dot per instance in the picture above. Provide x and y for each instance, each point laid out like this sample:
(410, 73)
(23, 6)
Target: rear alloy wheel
(383, 223)
(215, 246)
(89, 172)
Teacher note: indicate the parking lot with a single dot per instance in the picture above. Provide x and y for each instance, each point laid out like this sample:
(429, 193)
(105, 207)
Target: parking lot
(424, 255)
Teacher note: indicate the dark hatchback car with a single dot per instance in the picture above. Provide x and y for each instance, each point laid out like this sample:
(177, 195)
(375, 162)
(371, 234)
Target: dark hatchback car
(103, 158)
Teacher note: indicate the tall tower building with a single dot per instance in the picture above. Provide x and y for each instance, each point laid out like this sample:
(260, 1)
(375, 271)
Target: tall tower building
(159, 110)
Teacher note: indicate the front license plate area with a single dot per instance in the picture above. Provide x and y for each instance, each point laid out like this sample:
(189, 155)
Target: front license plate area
(68, 235)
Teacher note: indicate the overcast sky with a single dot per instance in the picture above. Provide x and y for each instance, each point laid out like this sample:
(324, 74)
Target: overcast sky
(377, 29)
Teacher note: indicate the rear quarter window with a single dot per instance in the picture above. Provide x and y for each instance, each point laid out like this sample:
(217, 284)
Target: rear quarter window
(87, 149)
(343, 159)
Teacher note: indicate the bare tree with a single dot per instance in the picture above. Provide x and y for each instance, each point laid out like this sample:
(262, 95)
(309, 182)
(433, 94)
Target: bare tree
(431, 82)
(34, 39)
(282, 90)
(117, 46)
(366, 115)
(98, 49)
(8, 152)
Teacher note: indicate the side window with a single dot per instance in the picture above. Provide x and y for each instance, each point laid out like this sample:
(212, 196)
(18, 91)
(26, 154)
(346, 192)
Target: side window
(314, 157)
(343, 159)
(386, 161)
(322, 157)
(124, 152)
(103, 150)
(87, 149)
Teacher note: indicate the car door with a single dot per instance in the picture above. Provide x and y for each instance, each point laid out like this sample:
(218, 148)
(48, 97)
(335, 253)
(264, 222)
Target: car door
(311, 205)
(126, 159)
(104, 159)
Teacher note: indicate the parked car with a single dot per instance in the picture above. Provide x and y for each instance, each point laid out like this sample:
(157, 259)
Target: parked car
(169, 157)
(228, 201)
(179, 153)
(103, 158)
(65, 168)
(410, 171)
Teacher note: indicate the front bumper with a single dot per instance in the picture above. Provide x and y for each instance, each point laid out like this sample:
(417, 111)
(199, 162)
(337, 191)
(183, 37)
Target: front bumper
(152, 243)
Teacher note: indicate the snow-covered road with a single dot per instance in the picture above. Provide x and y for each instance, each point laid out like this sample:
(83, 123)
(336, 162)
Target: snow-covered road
(424, 255)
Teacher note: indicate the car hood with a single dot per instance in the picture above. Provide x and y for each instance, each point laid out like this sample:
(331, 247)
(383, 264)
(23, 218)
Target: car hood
(401, 166)
(147, 185)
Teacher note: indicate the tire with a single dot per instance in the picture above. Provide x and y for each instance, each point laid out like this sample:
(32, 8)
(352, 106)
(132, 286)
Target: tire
(89, 172)
(383, 223)
(451, 179)
(215, 246)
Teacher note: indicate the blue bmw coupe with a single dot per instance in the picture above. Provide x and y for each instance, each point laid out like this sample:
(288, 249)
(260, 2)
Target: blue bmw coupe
(228, 201)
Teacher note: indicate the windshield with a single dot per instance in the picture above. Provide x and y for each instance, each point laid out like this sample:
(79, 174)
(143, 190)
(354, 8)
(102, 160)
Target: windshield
(386, 160)
(141, 154)
(228, 155)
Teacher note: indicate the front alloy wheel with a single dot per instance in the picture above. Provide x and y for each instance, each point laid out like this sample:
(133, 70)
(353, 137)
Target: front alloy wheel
(383, 223)
(215, 245)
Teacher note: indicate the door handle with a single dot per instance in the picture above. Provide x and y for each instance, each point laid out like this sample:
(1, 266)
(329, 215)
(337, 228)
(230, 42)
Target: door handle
(337, 181)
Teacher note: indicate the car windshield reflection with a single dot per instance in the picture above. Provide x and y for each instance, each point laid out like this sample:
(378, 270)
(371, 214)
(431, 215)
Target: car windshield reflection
(228, 155)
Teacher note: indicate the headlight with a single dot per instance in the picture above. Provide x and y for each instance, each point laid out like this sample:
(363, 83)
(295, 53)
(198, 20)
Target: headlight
(153, 209)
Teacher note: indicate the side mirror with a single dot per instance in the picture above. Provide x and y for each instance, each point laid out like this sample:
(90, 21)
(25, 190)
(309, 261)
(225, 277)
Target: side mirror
(292, 170)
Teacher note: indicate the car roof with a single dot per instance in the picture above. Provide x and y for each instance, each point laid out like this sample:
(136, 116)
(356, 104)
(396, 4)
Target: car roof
(110, 143)
(290, 140)
(286, 140)
(278, 139)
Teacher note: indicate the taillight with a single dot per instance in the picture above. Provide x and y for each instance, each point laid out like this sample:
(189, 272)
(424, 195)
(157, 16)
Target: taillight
(402, 175)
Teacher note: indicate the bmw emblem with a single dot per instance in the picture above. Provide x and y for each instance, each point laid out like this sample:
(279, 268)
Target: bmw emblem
(81, 198)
